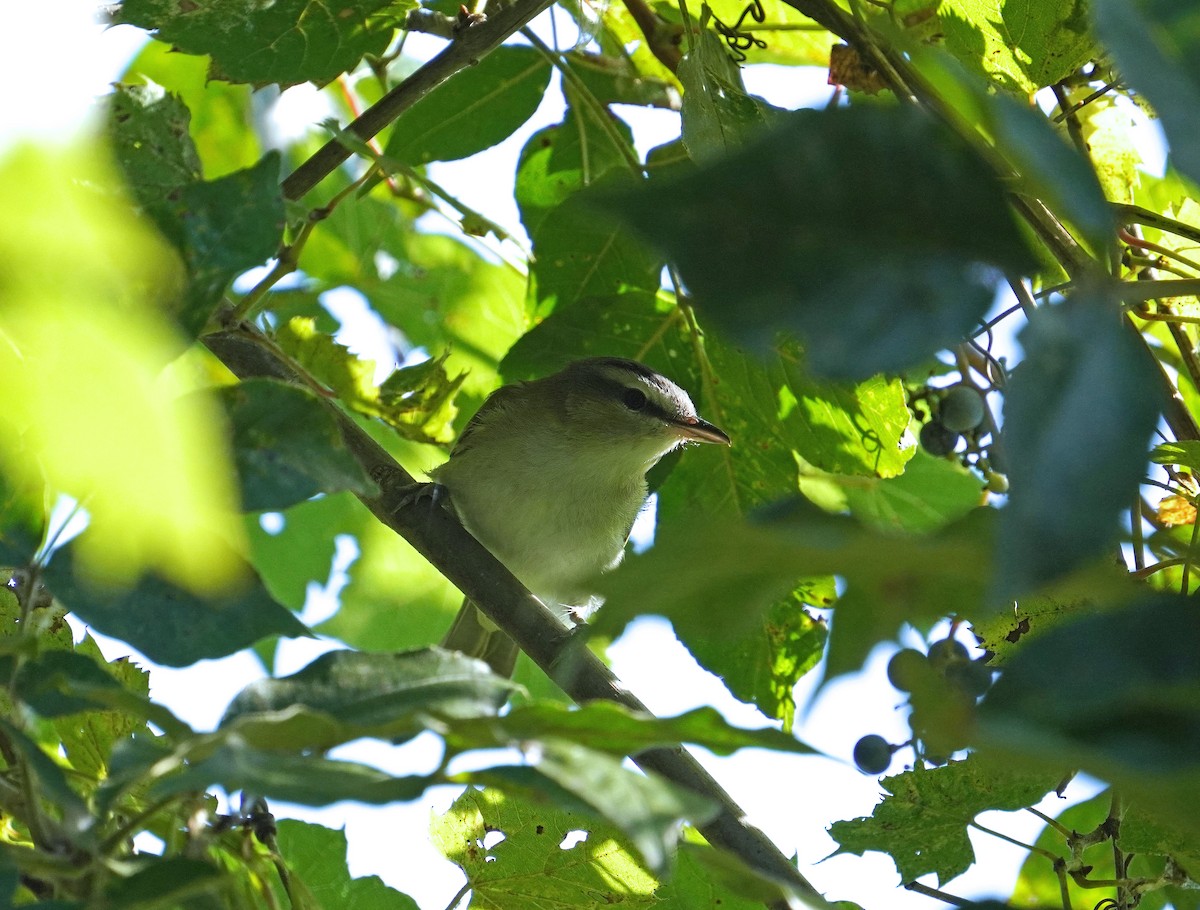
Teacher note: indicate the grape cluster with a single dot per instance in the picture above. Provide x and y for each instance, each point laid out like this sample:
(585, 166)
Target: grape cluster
(943, 687)
(956, 424)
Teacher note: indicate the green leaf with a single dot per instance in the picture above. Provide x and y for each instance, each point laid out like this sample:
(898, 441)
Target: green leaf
(345, 695)
(474, 109)
(930, 494)
(286, 42)
(168, 624)
(417, 401)
(718, 114)
(317, 857)
(529, 861)
(58, 683)
(646, 808)
(220, 227)
(922, 823)
(1079, 412)
(560, 160)
(287, 446)
(1183, 452)
(578, 254)
(810, 229)
(634, 325)
(613, 729)
(234, 764)
(1021, 45)
(22, 520)
(1131, 717)
(221, 121)
(791, 38)
(1155, 43)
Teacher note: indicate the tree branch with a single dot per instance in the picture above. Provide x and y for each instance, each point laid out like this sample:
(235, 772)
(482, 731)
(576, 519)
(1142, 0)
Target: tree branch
(437, 536)
(470, 46)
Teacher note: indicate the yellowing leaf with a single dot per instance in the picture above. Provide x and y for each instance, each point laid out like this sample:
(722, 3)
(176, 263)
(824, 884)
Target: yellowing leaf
(1176, 510)
(82, 356)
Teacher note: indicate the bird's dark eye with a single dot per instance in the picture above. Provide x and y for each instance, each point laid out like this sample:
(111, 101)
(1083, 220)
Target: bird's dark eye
(634, 399)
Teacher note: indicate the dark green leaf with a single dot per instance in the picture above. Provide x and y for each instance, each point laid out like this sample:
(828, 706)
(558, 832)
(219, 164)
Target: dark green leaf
(168, 624)
(234, 765)
(49, 780)
(1123, 706)
(617, 80)
(476, 108)
(287, 446)
(922, 823)
(1078, 416)
(1156, 43)
(317, 856)
(613, 729)
(22, 522)
(345, 695)
(220, 227)
(718, 115)
(57, 683)
(736, 570)
(162, 880)
(286, 42)
(812, 229)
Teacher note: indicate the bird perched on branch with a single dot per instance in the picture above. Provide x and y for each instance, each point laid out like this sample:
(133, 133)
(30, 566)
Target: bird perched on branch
(549, 475)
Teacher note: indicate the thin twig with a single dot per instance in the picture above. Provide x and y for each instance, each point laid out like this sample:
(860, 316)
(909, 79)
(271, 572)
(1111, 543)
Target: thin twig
(471, 46)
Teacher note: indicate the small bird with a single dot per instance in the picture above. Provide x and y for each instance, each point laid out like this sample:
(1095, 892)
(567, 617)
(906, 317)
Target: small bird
(549, 475)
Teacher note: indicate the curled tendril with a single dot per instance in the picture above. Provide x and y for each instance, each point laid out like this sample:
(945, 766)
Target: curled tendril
(739, 41)
(1107, 904)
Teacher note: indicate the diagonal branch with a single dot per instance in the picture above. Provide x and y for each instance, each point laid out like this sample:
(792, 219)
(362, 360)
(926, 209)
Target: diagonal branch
(471, 45)
(437, 536)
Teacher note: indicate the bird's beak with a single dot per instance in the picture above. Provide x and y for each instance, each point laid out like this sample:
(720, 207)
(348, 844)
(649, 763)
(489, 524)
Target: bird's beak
(699, 430)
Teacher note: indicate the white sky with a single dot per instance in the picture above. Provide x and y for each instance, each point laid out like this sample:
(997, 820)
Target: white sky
(48, 97)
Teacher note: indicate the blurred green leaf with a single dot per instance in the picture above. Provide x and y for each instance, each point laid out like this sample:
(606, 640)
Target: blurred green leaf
(474, 109)
(345, 695)
(161, 879)
(316, 855)
(922, 823)
(1156, 44)
(90, 410)
(220, 123)
(302, 551)
(613, 729)
(287, 42)
(736, 570)
(234, 764)
(1077, 421)
(169, 624)
(1123, 709)
(810, 229)
(287, 446)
